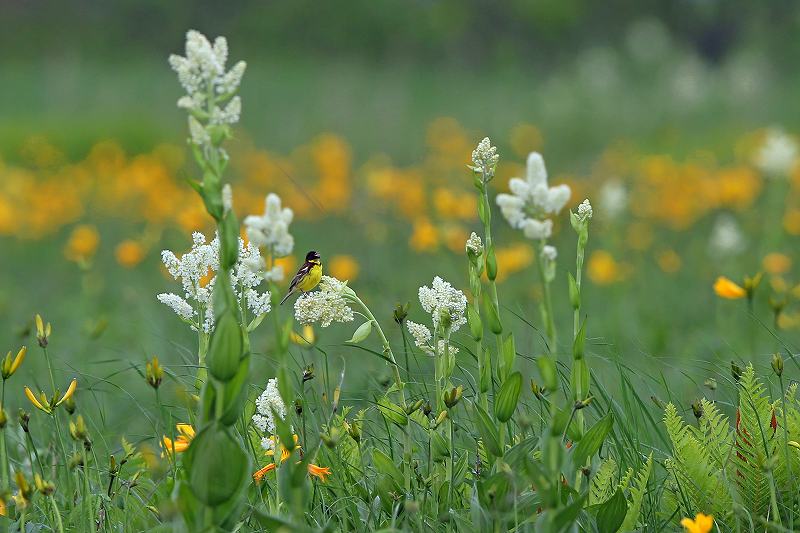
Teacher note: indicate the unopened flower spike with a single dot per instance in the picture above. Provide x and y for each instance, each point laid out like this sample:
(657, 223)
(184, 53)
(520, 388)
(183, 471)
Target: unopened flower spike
(485, 158)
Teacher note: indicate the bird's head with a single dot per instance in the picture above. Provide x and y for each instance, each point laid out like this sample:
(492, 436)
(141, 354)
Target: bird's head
(313, 257)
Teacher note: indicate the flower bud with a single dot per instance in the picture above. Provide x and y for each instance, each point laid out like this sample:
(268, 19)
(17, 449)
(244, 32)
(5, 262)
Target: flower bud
(777, 364)
(736, 372)
(439, 419)
(77, 429)
(538, 391)
(697, 409)
(69, 405)
(24, 420)
(154, 373)
(45, 488)
(308, 373)
(401, 312)
(10, 366)
(427, 409)
(3, 418)
(42, 331)
(414, 406)
(354, 430)
(298, 406)
(452, 397)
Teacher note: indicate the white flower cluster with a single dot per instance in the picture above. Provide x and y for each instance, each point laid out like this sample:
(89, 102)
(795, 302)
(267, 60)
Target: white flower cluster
(726, 237)
(202, 73)
(474, 244)
(324, 306)
(442, 298)
(532, 200)
(271, 230)
(778, 155)
(485, 157)
(422, 339)
(613, 199)
(585, 210)
(270, 400)
(549, 253)
(195, 266)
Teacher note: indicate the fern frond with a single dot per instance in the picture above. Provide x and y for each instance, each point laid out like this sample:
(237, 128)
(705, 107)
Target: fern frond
(637, 496)
(603, 482)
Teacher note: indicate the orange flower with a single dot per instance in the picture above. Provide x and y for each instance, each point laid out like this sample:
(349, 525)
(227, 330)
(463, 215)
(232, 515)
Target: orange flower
(343, 267)
(82, 243)
(182, 441)
(725, 288)
(285, 454)
(129, 253)
(258, 475)
(319, 471)
(777, 263)
(701, 524)
(322, 472)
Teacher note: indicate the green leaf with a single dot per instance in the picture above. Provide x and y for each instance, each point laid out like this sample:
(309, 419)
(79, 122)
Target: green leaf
(574, 293)
(492, 315)
(384, 465)
(392, 412)
(488, 431)
(509, 355)
(506, 400)
(475, 325)
(592, 440)
(362, 332)
(547, 369)
(612, 513)
(580, 341)
(520, 451)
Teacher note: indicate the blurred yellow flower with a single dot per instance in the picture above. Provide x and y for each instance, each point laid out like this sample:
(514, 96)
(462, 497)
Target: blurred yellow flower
(305, 338)
(701, 523)
(776, 263)
(669, 261)
(424, 237)
(640, 236)
(725, 288)
(524, 139)
(129, 253)
(82, 243)
(791, 222)
(181, 442)
(343, 267)
(512, 259)
(602, 268)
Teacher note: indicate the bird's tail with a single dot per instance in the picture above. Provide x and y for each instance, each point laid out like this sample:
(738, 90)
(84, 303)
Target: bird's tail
(286, 297)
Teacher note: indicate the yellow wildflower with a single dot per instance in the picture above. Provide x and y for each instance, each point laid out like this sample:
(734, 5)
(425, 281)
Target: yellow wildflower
(129, 253)
(776, 263)
(10, 366)
(425, 237)
(669, 261)
(343, 267)
(182, 441)
(701, 524)
(305, 338)
(82, 243)
(602, 268)
(43, 404)
(725, 288)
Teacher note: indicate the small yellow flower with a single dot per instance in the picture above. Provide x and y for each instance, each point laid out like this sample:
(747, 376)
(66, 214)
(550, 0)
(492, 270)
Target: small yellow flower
(602, 268)
(82, 243)
(43, 404)
(305, 338)
(725, 288)
(129, 253)
(701, 524)
(10, 366)
(153, 372)
(182, 441)
(343, 267)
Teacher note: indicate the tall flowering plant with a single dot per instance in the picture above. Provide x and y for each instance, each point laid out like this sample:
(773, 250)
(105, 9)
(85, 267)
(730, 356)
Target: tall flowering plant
(216, 466)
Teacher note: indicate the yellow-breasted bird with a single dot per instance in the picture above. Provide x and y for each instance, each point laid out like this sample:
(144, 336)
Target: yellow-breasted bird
(307, 277)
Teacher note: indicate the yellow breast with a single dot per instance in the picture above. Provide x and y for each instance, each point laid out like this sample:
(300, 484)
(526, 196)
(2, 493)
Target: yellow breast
(311, 279)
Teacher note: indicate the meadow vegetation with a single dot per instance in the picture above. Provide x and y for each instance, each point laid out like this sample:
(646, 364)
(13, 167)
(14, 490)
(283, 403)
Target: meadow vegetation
(530, 351)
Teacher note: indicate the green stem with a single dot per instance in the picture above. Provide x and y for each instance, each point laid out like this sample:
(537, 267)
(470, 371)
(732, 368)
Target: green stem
(57, 514)
(87, 496)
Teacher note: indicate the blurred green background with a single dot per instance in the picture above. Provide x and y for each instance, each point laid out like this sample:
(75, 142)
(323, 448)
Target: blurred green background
(689, 81)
